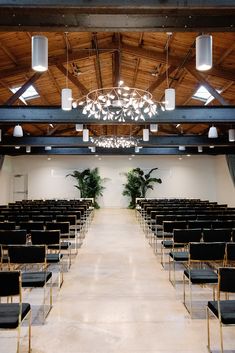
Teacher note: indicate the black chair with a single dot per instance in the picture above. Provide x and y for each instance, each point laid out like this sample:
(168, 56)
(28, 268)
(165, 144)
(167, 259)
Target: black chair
(223, 310)
(50, 238)
(29, 226)
(217, 235)
(201, 255)
(179, 253)
(13, 237)
(13, 314)
(28, 256)
(7, 225)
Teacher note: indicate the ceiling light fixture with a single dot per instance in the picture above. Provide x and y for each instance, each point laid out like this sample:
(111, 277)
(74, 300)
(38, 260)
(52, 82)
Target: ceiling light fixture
(231, 135)
(85, 135)
(39, 53)
(28, 149)
(200, 149)
(118, 103)
(145, 134)
(48, 148)
(115, 141)
(66, 93)
(212, 133)
(79, 127)
(169, 92)
(204, 52)
(18, 131)
(182, 148)
(154, 127)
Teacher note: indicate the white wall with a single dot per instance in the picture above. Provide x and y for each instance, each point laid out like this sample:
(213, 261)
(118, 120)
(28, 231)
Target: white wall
(224, 186)
(6, 181)
(190, 177)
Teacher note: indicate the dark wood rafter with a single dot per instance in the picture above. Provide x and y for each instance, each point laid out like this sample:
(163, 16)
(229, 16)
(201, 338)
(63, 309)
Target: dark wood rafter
(161, 78)
(23, 88)
(8, 53)
(73, 79)
(97, 60)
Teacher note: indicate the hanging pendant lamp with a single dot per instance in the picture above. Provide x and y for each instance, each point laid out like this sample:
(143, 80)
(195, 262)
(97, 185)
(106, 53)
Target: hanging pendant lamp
(18, 131)
(212, 133)
(231, 135)
(200, 149)
(204, 52)
(39, 53)
(85, 135)
(154, 127)
(28, 149)
(79, 127)
(145, 134)
(170, 99)
(66, 93)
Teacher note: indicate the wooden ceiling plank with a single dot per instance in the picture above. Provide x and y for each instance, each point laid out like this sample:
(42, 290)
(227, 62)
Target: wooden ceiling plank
(23, 88)
(8, 53)
(161, 78)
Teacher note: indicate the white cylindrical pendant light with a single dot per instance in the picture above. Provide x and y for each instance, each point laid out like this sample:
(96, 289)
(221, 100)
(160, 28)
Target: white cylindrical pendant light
(154, 127)
(170, 99)
(48, 148)
(182, 148)
(79, 127)
(17, 147)
(93, 149)
(204, 52)
(28, 149)
(145, 134)
(231, 135)
(85, 135)
(137, 149)
(18, 131)
(212, 133)
(66, 99)
(39, 53)
(200, 149)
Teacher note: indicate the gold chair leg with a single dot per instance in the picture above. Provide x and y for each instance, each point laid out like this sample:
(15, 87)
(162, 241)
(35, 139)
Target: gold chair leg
(208, 329)
(18, 338)
(221, 337)
(29, 331)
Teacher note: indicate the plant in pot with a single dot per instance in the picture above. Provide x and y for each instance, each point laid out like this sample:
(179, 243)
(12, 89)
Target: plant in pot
(138, 183)
(90, 183)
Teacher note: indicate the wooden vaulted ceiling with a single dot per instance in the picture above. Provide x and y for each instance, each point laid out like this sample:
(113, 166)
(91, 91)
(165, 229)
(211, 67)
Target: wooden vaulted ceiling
(98, 59)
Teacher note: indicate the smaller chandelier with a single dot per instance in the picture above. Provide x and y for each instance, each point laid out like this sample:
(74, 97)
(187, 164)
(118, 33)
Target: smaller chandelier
(115, 141)
(118, 103)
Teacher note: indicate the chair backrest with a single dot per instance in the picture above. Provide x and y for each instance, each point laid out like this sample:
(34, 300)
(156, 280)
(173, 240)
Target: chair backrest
(13, 237)
(170, 226)
(31, 226)
(230, 252)
(68, 218)
(207, 251)
(199, 224)
(185, 236)
(222, 224)
(226, 281)
(10, 283)
(45, 237)
(25, 254)
(7, 225)
(42, 218)
(63, 227)
(217, 235)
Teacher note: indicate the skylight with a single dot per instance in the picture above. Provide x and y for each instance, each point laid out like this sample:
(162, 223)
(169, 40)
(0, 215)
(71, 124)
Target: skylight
(30, 93)
(202, 94)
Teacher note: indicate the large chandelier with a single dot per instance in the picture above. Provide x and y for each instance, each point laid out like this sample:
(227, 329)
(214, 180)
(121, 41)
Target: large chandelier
(115, 141)
(118, 103)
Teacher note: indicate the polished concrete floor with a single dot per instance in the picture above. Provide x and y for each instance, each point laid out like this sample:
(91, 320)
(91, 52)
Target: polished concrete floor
(116, 298)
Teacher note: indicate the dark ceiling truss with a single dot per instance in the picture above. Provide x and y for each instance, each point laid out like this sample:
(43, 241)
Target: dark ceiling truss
(55, 115)
(119, 151)
(154, 141)
(139, 15)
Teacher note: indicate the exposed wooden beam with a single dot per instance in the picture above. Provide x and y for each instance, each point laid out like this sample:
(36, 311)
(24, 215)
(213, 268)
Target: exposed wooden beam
(23, 88)
(97, 61)
(55, 115)
(207, 85)
(73, 79)
(161, 78)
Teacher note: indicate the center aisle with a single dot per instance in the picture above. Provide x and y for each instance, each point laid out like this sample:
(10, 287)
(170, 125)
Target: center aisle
(117, 299)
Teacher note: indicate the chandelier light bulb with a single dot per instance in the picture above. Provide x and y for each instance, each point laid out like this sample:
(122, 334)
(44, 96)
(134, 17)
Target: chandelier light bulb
(39, 53)
(154, 127)
(204, 52)
(231, 135)
(66, 99)
(85, 135)
(212, 133)
(114, 141)
(18, 131)
(170, 99)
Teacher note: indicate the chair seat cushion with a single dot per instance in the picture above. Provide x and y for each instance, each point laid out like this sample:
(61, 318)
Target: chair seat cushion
(35, 279)
(168, 244)
(179, 255)
(53, 258)
(227, 309)
(201, 276)
(9, 314)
